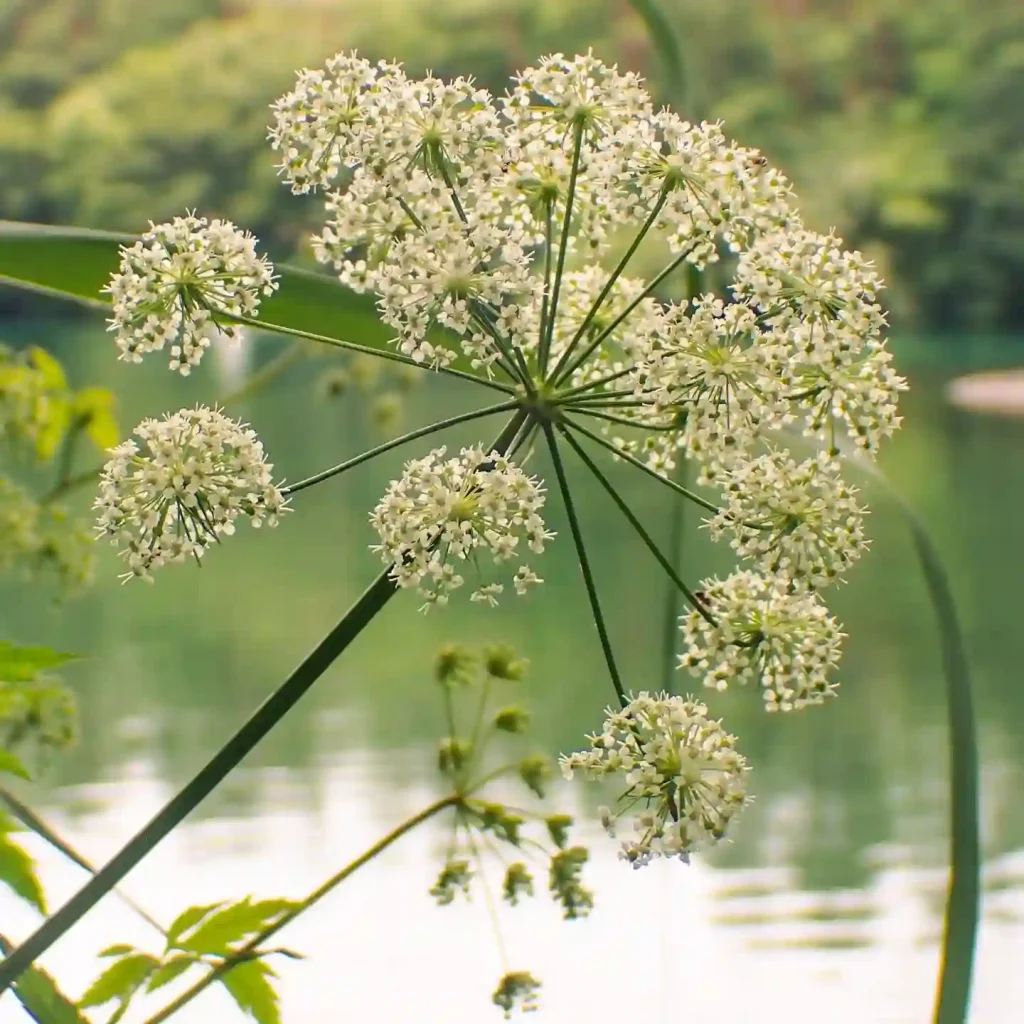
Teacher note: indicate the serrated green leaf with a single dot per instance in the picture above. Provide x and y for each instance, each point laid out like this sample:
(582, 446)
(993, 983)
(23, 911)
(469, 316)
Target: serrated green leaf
(250, 987)
(96, 407)
(171, 968)
(234, 925)
(121, 980)
(74, 264)
(18, 872)
(39, 995)
(23, 664)
(11, 764)
(188, 919)
(119, 949)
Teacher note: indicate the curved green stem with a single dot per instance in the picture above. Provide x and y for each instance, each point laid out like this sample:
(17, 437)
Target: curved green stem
(669, 568)
(626, 457)
(413, 435)
(379, 353)
(581, 557)
(358, 617)
(666, 42)
(960, 929)
(266, 374)
(246, 952)
(963, 904)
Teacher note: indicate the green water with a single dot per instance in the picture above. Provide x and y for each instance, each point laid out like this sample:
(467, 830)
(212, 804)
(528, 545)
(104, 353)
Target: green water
(825, 907)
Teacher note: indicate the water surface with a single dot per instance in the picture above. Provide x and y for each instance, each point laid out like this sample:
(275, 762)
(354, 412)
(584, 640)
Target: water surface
(826, 907)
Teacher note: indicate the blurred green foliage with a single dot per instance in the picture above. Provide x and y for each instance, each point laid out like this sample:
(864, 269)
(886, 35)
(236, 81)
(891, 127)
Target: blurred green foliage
(901, 123)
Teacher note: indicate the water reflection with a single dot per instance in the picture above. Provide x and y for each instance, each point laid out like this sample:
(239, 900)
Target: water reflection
(827, 907)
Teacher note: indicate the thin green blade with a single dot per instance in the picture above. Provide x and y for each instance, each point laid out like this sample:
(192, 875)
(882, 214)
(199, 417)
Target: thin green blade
(73, 264)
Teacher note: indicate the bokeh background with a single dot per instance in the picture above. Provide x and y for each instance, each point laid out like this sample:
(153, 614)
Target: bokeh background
(901, 123)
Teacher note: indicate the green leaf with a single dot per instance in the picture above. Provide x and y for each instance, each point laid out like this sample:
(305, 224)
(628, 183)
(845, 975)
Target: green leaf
(189, 919)
(120, 949)
(234, 925)
(38, 994)
(171, 968)
(250, 987)
(53, 373)
(53, 428)
(18, 869)
(121, 980)
(23, 664)
(11, 764)
(96, 407)
(74, 264)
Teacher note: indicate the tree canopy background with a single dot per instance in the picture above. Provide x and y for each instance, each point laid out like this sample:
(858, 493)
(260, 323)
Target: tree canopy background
(900, 123)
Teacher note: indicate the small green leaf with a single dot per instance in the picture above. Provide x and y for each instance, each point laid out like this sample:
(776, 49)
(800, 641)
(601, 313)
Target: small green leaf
(120, 949)
(23, 664)
(234, 925)
(18, 870)
(11, 764)
(170, 969)
(39, 995)
(250, 987)
(121, 980)
(96, 407)
(52, 371)
(189, 919)
(53, 427)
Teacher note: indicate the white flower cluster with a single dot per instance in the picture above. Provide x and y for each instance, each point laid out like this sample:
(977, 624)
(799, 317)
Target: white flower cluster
(461, 211)
(176, 285)
(764, 631)
(442, 512)
(678, 764)
(796, 520)
(181, 488)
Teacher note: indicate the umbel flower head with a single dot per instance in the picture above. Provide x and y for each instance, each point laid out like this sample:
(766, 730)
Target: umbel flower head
(797, 519)
(677, 764)
(179, 282)
(442, 513)
(766, 632)
(181, 487)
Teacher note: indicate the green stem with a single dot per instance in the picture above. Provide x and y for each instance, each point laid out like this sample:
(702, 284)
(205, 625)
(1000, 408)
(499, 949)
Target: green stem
(413, 435)
(670, 624)
(667, 43)
(622, 421)
(594, 384)
(245, 953)
(613, 326)
(963, 903)
(609, 284)
(358, 617)
(563, 246)
(581, 555)
(669, 568)
(626, 457)
(66, 460)
(546, 294)
(266, 374)
(514, 362)
(379, 353)
(34, 823)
